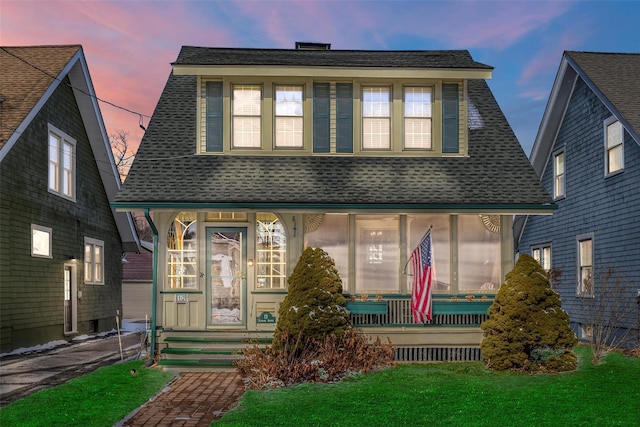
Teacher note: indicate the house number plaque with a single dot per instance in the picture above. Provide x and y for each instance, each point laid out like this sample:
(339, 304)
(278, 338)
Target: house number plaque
(182, 298)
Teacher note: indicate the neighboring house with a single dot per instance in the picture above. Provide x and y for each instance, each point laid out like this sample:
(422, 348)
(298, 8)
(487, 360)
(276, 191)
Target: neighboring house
(587, 154)
(60, 242)
(253, 154)
(137, 277)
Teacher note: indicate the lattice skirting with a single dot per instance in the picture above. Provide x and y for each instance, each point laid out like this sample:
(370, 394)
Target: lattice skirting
(437, 354)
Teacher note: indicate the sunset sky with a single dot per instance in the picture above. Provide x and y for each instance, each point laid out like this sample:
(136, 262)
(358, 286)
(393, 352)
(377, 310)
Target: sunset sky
(129, 45)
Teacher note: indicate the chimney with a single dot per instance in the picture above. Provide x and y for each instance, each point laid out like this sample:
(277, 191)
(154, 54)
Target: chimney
(312, 46)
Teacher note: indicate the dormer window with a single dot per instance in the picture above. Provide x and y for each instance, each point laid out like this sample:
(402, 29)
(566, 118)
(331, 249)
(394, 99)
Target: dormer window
(376, 118)
(417, 117)
(288, 116)
(247, 115)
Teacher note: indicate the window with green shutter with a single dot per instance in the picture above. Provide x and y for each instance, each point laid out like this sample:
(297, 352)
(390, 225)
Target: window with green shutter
(214, 116)
(321, 118)
(450, 118)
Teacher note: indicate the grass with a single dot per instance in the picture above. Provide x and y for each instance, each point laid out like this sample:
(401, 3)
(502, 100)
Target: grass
(101, 398)
(456, 394)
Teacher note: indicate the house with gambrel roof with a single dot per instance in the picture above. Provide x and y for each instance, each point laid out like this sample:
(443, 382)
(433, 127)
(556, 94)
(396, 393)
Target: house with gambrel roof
(587, 155)
(60, 241)
(253, 154)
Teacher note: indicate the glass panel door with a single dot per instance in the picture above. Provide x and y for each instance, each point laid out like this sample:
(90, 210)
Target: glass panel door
(226, 276)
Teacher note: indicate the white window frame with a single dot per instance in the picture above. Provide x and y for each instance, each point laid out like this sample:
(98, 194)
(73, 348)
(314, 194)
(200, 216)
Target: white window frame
(418, 118)
(41, 241)
(585, 266)
(93, 268)
(62, 163)
(246, 117)
(289, 116)
(376, 116)
(559, 175)
(613, 149)
(542, 254)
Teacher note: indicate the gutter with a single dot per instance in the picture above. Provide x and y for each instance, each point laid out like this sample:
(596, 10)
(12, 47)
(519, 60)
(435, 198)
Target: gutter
(154, 283)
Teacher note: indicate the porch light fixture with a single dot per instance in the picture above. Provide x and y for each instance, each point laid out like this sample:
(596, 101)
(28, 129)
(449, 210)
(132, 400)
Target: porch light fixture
(72, 258)
(250, 262)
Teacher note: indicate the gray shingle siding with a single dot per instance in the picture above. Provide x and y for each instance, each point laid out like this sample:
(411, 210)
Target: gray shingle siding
(607, 207)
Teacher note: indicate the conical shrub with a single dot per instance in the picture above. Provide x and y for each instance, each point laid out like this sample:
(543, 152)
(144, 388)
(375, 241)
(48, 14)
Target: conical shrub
(527, 328)
(314, 306)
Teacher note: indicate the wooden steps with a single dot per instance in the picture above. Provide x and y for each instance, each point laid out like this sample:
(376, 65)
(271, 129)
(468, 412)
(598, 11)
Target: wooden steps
(189, 351)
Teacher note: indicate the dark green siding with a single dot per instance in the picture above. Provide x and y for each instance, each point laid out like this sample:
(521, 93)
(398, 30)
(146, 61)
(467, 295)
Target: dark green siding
(31, 289)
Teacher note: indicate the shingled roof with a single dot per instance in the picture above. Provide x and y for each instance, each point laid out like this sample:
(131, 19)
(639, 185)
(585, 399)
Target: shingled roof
(495, 175)
(190, 55)
(25, 74)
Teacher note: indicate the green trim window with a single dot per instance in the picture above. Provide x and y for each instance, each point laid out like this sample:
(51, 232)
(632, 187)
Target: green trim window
(585, 265)
(614, 146)
(417, 117)
(558, 175)
(271, 252)
(288, 116)
(182, 252)
(376, 117)
(93, 261)
(62, 164)
(247, 116)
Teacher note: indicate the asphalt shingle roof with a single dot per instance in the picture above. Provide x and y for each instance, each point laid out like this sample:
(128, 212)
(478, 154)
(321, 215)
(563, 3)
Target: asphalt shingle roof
(166, 170)
(190, 55)
(617, 75)
(22, 85)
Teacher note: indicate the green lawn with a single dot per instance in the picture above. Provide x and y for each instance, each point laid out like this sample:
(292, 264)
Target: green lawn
(456, 394)
(99, 399)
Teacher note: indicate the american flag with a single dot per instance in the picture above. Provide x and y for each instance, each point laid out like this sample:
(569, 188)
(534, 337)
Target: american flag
(423, 276)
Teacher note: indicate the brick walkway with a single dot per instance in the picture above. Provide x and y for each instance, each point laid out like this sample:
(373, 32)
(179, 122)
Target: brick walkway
(194, 399)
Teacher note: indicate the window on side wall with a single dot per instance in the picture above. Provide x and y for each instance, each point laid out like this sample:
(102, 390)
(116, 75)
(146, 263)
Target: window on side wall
(93, 261)
(558, 175)
(41, 242)
(247, 115)
(376, 118)
(417, 118)
(614, 147)
(62, 164)
(585, 265)
(288, 116)
(542, 254)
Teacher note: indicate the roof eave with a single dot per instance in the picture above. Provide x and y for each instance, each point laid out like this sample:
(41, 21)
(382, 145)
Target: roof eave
(328, 71)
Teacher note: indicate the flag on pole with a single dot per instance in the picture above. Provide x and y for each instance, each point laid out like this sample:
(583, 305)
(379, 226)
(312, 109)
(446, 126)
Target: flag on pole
(423, 277)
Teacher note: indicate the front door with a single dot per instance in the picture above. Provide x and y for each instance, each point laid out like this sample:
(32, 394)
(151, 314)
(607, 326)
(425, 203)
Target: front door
(69, 288)
(226, 276)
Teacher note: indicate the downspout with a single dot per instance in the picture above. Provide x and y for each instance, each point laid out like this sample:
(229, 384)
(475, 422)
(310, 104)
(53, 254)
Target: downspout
(154, 283)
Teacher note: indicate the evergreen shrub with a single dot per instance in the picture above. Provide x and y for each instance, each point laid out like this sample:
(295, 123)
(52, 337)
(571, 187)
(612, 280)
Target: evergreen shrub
(527, 328)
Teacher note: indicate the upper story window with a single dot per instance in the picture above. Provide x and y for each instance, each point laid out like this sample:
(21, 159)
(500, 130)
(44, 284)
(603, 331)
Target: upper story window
(614, 147)
(417, 117)
(303, 116)
(558, 175)
(93, 261)
(247, 116)
(376, 118)
(288, 116)
(62, 164)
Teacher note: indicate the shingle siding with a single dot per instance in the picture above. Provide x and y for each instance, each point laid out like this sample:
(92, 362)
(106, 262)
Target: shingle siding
(607, 207)
(32, 288)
